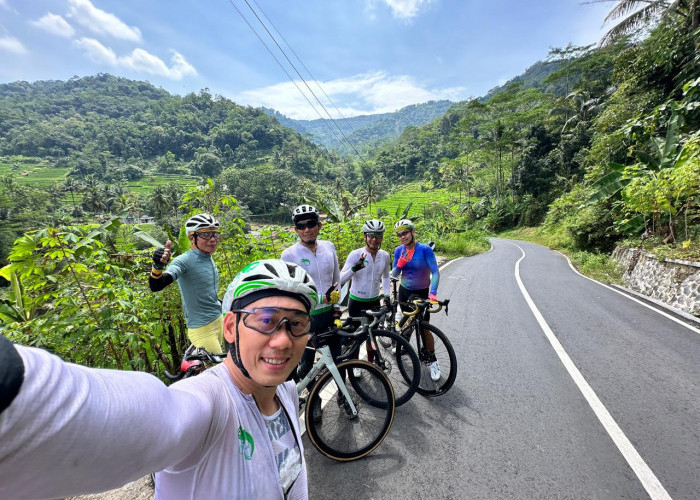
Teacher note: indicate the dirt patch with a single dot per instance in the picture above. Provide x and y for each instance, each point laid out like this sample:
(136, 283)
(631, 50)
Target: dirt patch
(140, 489)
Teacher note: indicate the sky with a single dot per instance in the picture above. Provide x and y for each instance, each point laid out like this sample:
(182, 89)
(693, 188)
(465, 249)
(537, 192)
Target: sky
(366, 56)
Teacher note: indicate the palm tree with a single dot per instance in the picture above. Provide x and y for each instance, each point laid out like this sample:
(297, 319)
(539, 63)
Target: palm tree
(637, 14)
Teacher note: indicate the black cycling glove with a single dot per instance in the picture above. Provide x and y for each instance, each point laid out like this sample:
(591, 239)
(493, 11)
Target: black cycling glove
(360, 264)
(157, 255)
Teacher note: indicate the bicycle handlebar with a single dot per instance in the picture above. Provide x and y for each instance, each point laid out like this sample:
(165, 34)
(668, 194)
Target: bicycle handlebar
(422, 304)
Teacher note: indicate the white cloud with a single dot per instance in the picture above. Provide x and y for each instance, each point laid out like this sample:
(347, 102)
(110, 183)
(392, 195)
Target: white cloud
(139, 60)
(101, 22)
(97, 52)
(11, 44)
(358, 95)
(55, 24)
(406, 9)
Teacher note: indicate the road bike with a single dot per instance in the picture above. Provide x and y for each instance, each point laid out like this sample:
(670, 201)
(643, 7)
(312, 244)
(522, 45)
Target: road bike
(415, 324)
(346, 421)
(400, 363)
(350, 420)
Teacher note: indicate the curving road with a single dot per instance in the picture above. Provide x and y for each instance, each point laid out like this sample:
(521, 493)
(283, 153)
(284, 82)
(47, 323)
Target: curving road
(566, 389)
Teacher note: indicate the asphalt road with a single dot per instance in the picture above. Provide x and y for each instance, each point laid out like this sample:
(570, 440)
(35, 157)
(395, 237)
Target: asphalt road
(519, 422)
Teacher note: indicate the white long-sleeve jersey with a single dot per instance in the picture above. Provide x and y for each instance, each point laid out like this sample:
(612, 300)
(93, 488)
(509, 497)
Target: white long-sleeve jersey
(366, 281)
(322, 267)
(73, 430)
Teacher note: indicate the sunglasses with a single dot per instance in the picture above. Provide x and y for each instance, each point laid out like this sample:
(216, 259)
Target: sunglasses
(267, 320)
(209, 235)
(377, 236)
(403, 233)
(303, 225)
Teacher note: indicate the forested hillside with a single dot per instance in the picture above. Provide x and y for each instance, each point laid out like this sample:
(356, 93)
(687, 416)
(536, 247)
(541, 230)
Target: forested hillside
(104, 131)
(365, 132)
(616, 156)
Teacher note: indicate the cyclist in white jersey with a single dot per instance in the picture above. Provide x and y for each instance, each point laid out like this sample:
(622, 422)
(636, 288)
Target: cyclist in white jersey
(319, 259)
(231, 432)
(368, 267)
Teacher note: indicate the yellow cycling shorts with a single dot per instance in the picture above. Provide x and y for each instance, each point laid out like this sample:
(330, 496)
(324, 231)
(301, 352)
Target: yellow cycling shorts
(209, 336)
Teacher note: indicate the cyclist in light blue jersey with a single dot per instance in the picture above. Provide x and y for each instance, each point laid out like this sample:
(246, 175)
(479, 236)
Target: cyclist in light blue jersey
(196, 273)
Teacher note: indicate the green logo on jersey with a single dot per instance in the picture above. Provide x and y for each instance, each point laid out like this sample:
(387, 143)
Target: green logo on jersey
(305, 262)
(247, 445)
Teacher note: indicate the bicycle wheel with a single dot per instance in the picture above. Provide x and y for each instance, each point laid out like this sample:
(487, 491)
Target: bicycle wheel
(337, 433)
(402, 367)
(445, 356)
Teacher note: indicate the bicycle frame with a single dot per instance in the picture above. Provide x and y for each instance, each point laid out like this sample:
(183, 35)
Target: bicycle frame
(326, 360)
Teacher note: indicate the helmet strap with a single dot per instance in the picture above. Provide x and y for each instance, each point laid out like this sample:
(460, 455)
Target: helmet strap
(235, 351)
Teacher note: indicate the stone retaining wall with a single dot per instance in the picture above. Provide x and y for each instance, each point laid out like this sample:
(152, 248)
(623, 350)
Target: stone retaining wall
(675, 282)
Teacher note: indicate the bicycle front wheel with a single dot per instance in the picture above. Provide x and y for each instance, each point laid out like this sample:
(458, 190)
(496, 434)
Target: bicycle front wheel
(333, 428)
(399, 361)
(435, 382)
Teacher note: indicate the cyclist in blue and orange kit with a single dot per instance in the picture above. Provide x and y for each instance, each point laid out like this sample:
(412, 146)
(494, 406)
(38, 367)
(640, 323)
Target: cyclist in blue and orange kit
(417, 265)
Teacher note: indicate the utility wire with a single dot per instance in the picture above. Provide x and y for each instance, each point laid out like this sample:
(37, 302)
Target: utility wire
(300, 76)
(302, 63)
(285, 71)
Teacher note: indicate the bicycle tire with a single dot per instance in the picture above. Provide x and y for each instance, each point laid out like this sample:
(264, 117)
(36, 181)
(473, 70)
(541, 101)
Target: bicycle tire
(446, 357)
(335, 434)
(403, 368)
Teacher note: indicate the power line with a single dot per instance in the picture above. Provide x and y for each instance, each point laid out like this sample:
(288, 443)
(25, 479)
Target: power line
(300, 76)
(301, 62)
(284, 69)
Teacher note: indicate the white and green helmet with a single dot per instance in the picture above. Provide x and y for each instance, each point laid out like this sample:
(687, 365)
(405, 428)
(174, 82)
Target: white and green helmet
(265, 278)
(403, 224)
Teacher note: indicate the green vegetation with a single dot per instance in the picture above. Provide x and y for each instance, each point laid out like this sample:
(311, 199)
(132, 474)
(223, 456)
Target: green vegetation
(465, 244)
(420, 199)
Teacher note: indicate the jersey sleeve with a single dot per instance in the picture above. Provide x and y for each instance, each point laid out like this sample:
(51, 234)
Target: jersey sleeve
(177, 267)
(336, 267)
(386, 282)
(434, 269)
(395, 271)
(74, 430)
(346, 273)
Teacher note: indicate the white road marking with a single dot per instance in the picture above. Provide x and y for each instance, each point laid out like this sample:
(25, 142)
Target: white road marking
(669, 316)
(650, 482)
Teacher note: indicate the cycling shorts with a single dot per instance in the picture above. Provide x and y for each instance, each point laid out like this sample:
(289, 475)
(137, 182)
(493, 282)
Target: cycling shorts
(209, 336)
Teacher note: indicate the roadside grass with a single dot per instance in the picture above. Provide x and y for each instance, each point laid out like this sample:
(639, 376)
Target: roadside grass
(470, 242)
(598, 266)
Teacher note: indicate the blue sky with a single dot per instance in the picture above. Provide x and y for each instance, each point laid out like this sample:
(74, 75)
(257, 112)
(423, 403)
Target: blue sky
(369, 56)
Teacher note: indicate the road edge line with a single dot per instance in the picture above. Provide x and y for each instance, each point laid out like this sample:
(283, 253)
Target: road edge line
(646, 476)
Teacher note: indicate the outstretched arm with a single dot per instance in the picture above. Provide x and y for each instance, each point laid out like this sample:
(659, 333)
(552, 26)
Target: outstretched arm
(71, 430)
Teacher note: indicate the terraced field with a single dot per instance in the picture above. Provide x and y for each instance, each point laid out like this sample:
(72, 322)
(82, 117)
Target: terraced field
(38, 173)
(395, 203)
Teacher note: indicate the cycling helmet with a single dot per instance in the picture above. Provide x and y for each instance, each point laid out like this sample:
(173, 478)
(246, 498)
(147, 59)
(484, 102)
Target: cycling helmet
(303, 212)
(373, 226)
(200, 221)
(265, 278)
(403, 224)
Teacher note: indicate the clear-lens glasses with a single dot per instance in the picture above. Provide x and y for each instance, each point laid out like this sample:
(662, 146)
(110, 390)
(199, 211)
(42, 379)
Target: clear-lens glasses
(268, 320)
